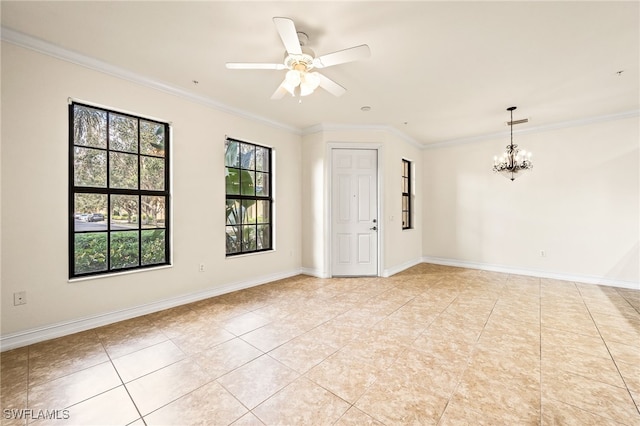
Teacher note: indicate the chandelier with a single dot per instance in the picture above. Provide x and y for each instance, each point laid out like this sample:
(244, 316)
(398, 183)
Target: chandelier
(513, 161)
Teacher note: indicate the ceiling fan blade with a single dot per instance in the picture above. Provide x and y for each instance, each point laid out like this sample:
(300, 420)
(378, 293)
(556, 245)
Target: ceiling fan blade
(331, 86)
(341, 56)
(280, 92)
(287, 30)
(253, 66)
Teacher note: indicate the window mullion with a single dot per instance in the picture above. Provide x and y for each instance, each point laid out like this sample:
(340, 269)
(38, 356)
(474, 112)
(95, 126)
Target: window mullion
(108, 192)
(92, 123)
(139, 195)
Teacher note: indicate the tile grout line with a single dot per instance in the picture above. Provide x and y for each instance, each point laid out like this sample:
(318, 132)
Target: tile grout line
(540, 343)
(121, 381)
(609, 351)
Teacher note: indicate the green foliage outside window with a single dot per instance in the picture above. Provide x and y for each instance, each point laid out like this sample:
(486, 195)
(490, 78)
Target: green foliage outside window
(248, 201)
(119, 191)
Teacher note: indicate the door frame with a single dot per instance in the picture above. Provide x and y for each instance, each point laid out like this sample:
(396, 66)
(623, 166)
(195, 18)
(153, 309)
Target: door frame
(328, 225)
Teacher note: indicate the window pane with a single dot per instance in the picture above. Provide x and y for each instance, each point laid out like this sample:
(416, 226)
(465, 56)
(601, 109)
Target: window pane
(153, 246)
(248, 238)
(151, 138)
(247, 156)
(262, 184)
(248, 211)
(264, 240)
(90, 211)
(89, 127)
(124, 212)
(90, 167)
(263, 211)
(123, 170)
(123, 133)
(153, 212)
(152, 173)
(123, 157)
(232, 181)
(233, 212)
(405, 202)
(233, 239)
(247, 182)
(90, 252)
(124, 249)
(262, 159)
(232, 154)
(405, 219)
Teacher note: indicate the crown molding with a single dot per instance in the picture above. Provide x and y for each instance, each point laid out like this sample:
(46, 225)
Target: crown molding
(46, 48)
(335, 127)
(49, 49)
(536, 129)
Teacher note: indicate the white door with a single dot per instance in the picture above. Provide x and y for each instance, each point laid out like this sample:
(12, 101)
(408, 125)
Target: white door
(354, 207)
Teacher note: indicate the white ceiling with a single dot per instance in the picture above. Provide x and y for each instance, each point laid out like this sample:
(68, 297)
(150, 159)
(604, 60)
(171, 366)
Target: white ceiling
(438, 72)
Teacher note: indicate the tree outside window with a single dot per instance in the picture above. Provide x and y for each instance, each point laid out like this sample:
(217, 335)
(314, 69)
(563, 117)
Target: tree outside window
(248, 210)
(119, 198)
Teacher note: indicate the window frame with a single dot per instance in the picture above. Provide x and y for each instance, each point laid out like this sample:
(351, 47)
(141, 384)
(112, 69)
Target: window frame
(269, 198)
(109, 191)
(406, 194)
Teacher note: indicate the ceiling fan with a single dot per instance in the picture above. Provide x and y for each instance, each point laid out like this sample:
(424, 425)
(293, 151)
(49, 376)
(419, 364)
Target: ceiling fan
(300, 61)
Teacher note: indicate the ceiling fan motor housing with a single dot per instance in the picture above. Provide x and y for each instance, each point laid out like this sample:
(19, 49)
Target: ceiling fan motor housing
(297, 62)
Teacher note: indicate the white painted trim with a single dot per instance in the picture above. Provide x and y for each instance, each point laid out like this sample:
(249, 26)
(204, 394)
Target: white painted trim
(328, 236)
(536, 129)
(399, 268)
(314, 272)
(39, 334)
(46, 48)
(586, 279)
(329, 127)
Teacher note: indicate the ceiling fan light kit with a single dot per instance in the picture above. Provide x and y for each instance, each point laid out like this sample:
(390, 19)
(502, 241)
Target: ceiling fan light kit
(300, 60)
(513, 161)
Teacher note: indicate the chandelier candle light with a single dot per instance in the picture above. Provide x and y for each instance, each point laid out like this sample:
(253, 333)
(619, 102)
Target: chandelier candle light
(512, 161)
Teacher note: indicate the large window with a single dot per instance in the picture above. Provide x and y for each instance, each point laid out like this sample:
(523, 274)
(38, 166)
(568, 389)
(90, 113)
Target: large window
(249, 223)
(406, 194)
(118, 191)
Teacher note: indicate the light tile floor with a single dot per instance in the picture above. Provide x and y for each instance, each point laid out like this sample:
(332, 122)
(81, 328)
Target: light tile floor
(432, 345)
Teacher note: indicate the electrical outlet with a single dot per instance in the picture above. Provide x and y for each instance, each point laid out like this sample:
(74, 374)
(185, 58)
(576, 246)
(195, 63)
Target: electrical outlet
(202, 267)
(543, 253)
(20, 298)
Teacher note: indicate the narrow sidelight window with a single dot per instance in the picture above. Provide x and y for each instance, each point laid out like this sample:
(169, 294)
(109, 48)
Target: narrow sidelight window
(248, 176)
(118, 191)
(406, 194)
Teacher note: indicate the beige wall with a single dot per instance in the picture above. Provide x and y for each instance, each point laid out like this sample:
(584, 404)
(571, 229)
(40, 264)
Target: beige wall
(580, 204)
(399, 248)
(35, 89)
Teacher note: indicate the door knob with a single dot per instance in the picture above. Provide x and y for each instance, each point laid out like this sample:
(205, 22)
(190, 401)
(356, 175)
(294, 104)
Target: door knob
(375, 228)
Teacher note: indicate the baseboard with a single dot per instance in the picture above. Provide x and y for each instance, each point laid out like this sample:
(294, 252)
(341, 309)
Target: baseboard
(35, 335)
(586, 279)
(399, 268)
(314, 272)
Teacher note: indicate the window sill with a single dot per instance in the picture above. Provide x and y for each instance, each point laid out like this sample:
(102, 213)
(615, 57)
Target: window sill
(117, 274)
(254, 253)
